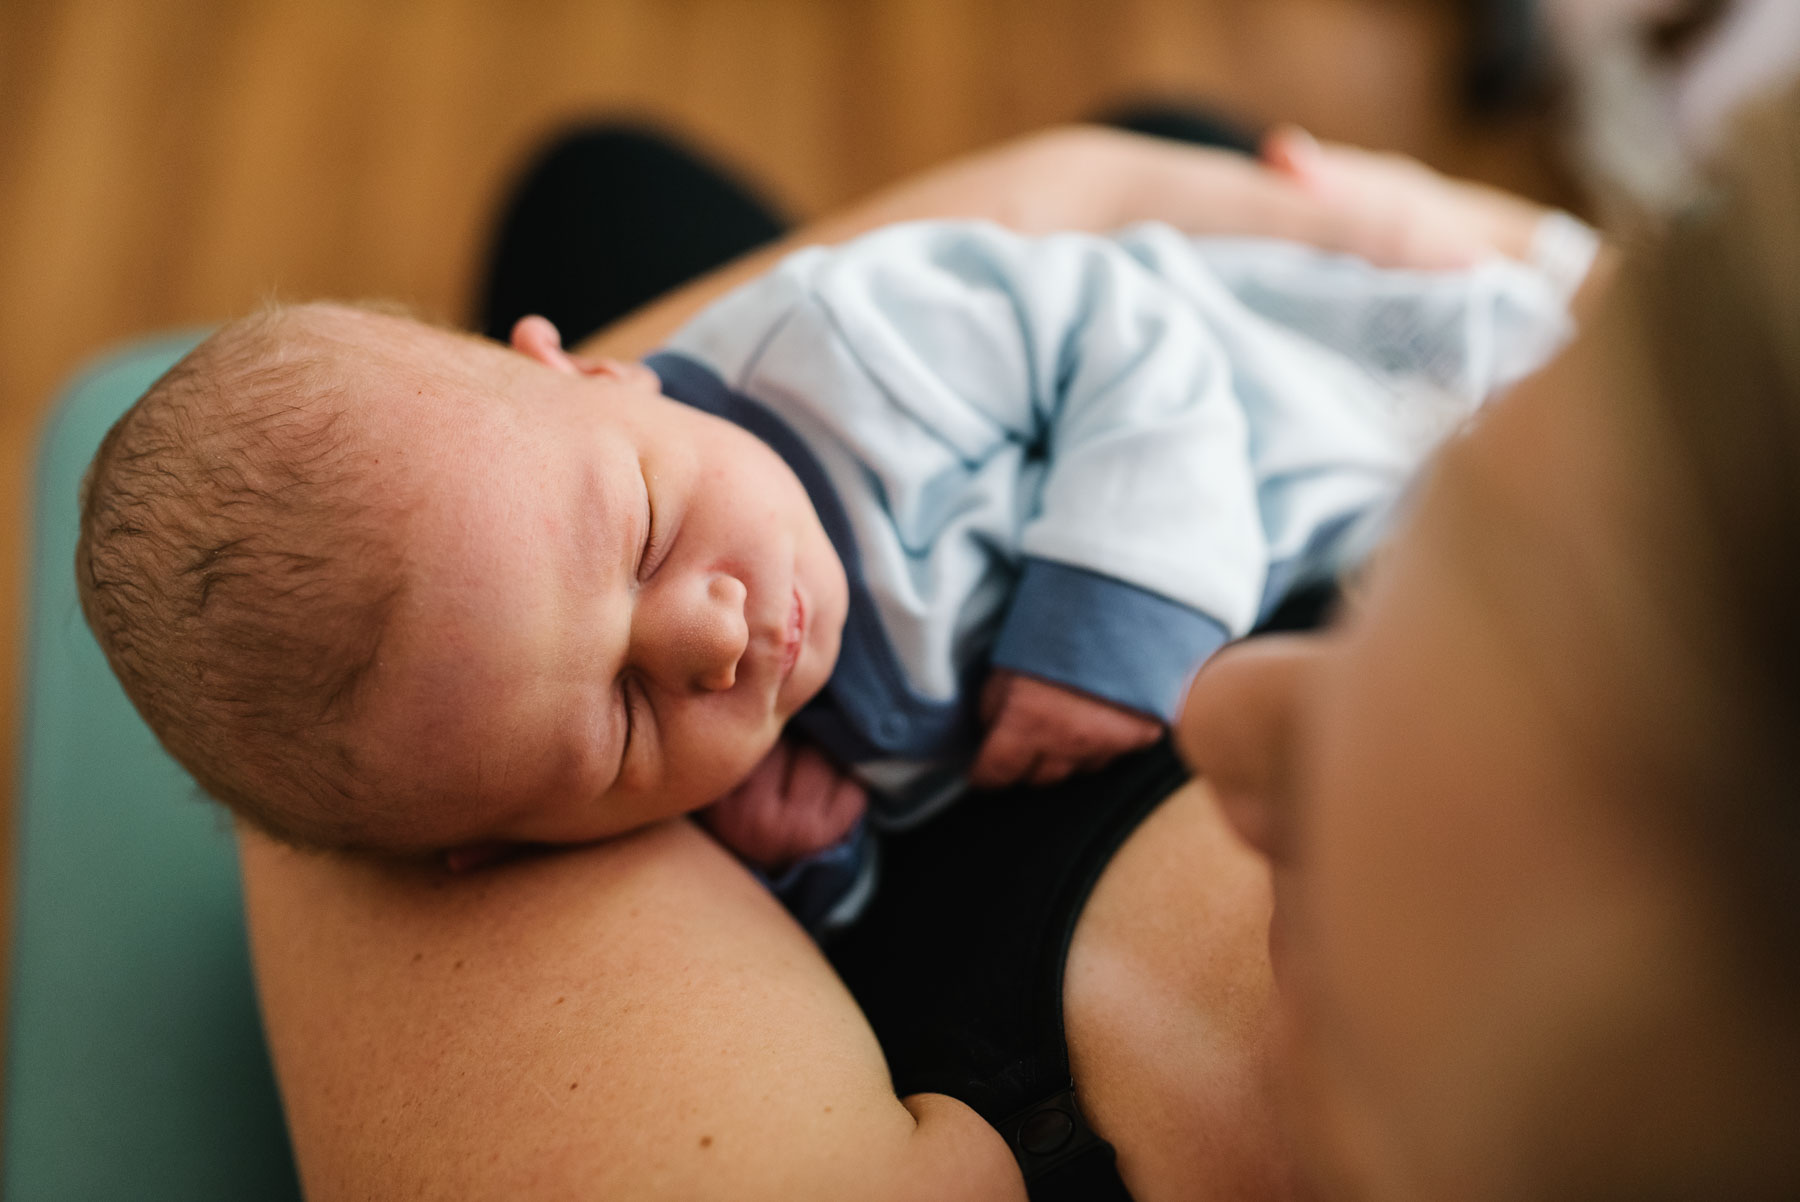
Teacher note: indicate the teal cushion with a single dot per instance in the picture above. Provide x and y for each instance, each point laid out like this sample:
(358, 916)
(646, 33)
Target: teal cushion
(135, 1059)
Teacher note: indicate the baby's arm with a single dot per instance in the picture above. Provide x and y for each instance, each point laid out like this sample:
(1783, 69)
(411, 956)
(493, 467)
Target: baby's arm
(1040, 732)
(794, 803)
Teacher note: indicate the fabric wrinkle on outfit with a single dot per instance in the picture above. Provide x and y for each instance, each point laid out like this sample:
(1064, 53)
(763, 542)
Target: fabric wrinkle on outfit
(1089, 459)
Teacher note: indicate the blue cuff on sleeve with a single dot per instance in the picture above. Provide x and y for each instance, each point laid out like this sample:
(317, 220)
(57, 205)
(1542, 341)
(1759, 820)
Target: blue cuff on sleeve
(1105, 637)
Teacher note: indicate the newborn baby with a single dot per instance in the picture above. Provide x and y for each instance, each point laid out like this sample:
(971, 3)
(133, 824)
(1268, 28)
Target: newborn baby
(942, 505)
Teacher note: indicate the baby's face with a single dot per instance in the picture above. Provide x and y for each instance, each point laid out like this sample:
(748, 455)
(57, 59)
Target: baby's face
(613, 601)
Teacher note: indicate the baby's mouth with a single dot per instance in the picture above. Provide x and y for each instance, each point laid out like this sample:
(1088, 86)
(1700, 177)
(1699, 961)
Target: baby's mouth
(794, 637)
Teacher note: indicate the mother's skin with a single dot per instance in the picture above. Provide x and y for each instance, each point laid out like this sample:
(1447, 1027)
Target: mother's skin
(641, 1019)
(1534, 803)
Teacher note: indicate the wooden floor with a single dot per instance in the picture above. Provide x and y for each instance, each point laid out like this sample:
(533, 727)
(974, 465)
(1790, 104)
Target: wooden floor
(167, 162)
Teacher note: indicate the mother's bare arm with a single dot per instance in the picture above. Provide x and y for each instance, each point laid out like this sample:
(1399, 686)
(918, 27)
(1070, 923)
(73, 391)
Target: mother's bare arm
(633, 1020)
(1091, 178)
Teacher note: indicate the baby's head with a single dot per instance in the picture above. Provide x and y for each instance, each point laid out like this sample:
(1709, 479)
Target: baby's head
(385, 586)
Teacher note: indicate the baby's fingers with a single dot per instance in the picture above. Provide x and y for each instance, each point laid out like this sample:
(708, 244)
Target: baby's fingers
(1052, 769)
(1007, 754)
(994, 694)
(818, 806)
(810, 777)
(842, 811)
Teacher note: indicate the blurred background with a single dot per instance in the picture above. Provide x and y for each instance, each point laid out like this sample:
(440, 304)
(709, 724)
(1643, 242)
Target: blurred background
(169, 163)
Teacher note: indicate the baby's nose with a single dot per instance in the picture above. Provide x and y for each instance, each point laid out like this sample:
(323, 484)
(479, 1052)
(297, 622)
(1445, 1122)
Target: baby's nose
(706, 641)
(725, 634)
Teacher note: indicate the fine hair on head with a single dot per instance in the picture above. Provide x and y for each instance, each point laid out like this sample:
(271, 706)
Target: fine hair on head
(238, 564)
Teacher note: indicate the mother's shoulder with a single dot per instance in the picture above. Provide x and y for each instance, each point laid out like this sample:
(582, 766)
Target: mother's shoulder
(629, 1018)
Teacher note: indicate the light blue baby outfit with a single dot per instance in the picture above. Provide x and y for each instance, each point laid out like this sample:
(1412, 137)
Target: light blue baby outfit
(1089, 459)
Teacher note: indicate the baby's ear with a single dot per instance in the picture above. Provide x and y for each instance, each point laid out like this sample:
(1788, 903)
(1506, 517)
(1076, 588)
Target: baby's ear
(538, 338)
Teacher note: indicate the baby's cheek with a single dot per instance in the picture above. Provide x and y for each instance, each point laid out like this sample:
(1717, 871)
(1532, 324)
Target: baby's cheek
(711, 750)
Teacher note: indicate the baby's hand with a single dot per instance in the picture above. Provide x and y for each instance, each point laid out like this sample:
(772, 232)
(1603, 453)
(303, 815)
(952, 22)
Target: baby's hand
(1039, 732)
(794, 803)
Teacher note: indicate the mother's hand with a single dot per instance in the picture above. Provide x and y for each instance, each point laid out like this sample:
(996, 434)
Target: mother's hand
(1398, 212)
